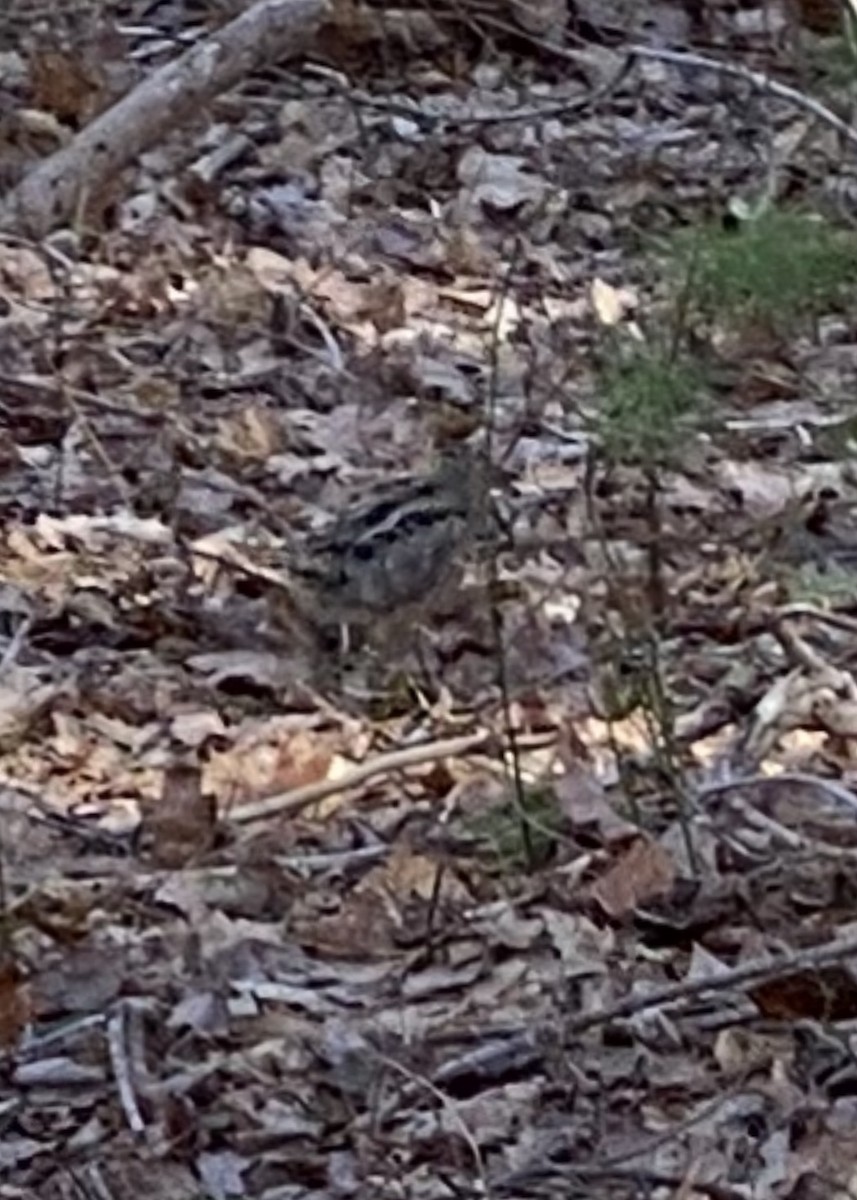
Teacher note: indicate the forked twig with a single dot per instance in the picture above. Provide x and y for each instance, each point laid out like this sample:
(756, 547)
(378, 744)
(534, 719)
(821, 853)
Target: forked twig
(748, 973)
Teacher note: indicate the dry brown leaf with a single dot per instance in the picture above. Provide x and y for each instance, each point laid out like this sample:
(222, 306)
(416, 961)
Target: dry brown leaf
(546, 19)
(64, 913)
(252, 434)
(836, 714)
(403, 876)
(15, 1003)
(273, 759)
(384, 304)
(179, 826)
(24, 701)
(824, 17)
(300, 760)
(193, 729)
(738, 1051)
(364, 927)
(65, 84)
(84, 980)
(27, 274)
(495, 185)
(273, 271)
(642, 874)
(584, 804)
(825, 994)
(765, 490)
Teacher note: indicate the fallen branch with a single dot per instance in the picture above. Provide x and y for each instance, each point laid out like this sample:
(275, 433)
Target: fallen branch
(758, 80)
(296, 800)
(752, 972)
(51, 193)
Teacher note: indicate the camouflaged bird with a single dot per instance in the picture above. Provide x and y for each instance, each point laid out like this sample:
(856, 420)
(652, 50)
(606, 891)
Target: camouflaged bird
(392, 554)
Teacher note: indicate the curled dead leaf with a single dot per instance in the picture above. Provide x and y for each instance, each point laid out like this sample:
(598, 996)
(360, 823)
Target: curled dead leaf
(644, 872)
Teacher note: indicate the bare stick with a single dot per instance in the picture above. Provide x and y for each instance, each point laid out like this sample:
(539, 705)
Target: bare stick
(50, 194)
(757, 79)
(835, 619)
(300, 798)
(749, 973)
(412, 756)
(116, 1031)
(827, 787)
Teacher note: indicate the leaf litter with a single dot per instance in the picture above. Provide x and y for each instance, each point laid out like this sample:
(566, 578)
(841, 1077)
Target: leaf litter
(384, 986)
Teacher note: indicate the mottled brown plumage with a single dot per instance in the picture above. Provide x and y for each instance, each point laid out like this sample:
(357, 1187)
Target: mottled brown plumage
(393, 553)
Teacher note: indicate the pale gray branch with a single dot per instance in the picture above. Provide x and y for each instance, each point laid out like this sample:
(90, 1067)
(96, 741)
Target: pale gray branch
(52, 192)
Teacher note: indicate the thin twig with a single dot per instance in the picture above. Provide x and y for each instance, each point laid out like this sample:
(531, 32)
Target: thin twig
(764, 83)
(447, 1104)
(830, 787)
(638, 1176)
(834, 619)
(100, 452)
(513, 764)
(751, 972)
(16, 642)
(529, 112)
(647, 1150)
(295, 801)
(122, 1070)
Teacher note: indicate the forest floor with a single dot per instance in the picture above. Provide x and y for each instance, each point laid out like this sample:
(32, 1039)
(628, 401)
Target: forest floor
(289, 925)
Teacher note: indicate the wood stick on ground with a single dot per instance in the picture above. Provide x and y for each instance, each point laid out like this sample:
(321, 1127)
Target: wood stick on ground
(52, 191)
(747, 974)
(296, 800)
(757, 79)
